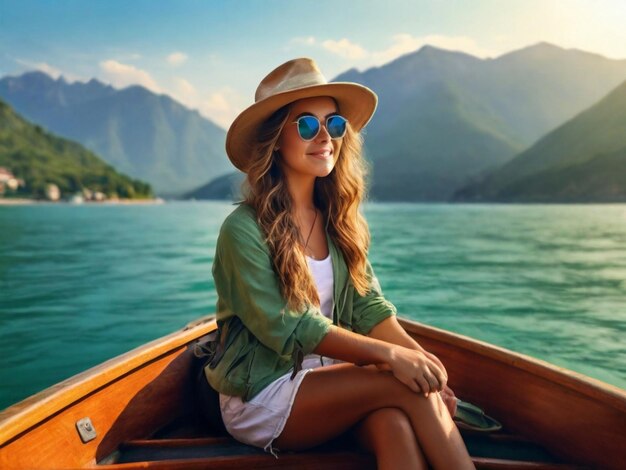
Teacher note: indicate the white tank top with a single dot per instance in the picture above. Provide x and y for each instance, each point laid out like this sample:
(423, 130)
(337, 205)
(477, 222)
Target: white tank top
(322, 271)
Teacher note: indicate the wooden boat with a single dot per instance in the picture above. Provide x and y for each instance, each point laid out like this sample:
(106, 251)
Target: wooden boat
(140, 407)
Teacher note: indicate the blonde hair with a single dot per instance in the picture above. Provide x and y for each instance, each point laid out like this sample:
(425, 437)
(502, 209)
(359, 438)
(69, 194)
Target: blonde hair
(338, 196)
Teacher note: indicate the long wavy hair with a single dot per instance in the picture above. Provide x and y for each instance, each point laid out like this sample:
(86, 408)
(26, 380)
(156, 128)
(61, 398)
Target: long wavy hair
(338, 197)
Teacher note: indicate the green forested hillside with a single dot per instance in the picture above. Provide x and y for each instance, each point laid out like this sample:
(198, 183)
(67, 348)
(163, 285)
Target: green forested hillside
(141, 134)
(39, 157)
(582, 160)
(600, 179)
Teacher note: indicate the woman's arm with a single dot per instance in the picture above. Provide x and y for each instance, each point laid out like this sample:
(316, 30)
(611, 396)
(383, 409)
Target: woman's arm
(409, 366)
(391, 331)
(353, 347)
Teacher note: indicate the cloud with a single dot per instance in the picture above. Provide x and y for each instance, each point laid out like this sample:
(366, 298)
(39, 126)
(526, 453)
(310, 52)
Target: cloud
(122, 57)
(345, 48)
(122, 75)
(184, 87)
(184, 92)
(309, 40)
(177, 58)
(222, 106)
(54, 72)
(401, 44)
(404, 43)
(44, 67)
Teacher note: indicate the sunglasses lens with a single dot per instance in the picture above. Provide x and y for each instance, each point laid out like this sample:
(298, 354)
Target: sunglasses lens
(336, 126)
(308, 127)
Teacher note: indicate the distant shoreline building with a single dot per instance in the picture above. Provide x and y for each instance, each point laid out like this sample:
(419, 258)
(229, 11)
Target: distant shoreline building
(53, 193)
(8, 181)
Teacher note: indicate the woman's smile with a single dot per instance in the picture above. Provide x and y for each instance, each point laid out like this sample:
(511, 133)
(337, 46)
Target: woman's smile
(324, 154)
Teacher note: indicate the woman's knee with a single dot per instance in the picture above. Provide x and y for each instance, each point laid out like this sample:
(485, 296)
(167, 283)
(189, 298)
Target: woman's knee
(388, 433)
(391, 423)
(385, 428)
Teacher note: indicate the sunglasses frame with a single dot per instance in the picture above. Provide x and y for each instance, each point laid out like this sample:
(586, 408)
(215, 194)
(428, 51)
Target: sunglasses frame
(319, 129)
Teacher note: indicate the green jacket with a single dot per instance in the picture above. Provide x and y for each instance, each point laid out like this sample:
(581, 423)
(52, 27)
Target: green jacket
(265, 339)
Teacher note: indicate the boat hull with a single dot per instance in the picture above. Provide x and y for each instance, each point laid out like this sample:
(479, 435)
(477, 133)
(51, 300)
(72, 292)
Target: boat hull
(128, 399)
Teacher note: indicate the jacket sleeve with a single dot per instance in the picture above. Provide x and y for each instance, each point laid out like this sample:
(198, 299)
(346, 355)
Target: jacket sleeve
(372, 308)
(248, 286)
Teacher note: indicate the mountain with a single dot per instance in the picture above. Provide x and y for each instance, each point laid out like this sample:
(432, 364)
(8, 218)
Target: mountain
(583, 160)
(145, 135)
(223, 187)
(446, 118)
(39, 157)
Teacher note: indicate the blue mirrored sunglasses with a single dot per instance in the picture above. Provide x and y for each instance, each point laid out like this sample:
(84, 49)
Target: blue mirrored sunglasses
(309, 126)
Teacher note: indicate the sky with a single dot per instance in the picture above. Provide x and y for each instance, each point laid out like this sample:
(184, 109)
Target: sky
(211, 55)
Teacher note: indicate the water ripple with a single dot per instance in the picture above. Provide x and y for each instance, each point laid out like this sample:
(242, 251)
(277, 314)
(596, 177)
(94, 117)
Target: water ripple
(81, 284)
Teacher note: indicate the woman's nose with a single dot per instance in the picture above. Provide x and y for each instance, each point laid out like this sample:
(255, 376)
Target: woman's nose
(323, 134)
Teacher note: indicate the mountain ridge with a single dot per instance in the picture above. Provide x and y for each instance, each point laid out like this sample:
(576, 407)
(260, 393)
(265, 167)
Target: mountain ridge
(593, 140)
(146, 135)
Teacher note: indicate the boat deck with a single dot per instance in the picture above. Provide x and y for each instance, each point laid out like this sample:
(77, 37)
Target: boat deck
(190, 444)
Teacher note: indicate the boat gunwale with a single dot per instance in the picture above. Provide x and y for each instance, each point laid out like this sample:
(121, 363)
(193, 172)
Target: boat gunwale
(36, 409)
(563, 376)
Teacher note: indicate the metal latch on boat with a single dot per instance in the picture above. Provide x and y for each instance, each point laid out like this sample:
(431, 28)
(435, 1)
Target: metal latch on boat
(86, 430)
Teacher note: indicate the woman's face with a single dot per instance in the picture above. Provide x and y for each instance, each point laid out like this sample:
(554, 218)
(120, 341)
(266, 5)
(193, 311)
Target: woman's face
(296, 155)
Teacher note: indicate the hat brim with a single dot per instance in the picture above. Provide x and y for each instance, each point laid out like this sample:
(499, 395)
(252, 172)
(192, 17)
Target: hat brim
(357, 104)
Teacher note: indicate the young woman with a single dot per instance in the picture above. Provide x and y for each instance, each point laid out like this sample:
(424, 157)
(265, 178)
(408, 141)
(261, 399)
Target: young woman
(309, 347)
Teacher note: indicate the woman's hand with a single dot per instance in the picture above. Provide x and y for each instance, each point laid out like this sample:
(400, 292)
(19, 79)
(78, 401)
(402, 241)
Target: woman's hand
(447, 395)
(416, 370)
(436, 360)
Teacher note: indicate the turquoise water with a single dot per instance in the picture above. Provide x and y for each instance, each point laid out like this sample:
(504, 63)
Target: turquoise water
(81, 284)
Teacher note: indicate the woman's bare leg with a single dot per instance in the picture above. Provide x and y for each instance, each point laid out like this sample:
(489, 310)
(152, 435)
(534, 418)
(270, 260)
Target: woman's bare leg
(388, 433)
(344, 394)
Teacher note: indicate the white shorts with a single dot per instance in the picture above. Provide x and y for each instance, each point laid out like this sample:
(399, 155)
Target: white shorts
(261, 420)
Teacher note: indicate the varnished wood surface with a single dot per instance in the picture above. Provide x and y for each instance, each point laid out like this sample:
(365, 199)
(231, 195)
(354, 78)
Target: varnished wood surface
(305, 461)
(578, 418)
(439, 339)
(338, 460)
(130, 397)
(126, 398)
(34, 409)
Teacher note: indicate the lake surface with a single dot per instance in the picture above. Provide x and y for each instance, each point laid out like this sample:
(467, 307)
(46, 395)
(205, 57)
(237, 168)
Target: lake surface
(82, 284)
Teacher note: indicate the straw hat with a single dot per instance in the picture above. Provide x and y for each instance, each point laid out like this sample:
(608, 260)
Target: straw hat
(293, 80)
